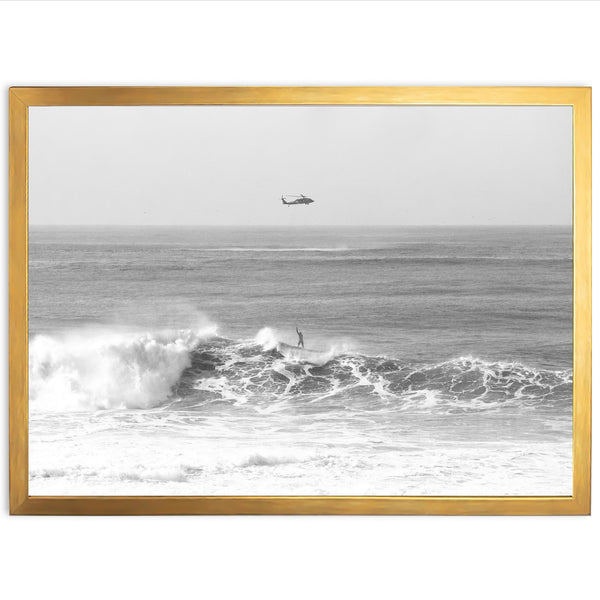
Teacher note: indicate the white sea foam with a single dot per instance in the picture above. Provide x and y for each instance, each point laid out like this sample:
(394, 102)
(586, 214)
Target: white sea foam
(98, 370)
(290, 454)
(267, 338)
(266, 458)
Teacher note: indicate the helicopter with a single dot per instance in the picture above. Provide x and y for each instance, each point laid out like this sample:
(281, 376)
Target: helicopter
(301, 199)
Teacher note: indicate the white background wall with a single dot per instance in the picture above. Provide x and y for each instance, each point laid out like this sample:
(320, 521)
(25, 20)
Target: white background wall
(338, 43)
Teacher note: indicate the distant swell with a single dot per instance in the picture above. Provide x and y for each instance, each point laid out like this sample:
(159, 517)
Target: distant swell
(199, 371)
(273, 249)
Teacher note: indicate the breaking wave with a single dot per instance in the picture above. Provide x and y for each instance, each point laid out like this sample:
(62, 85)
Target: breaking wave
(191, 370)
(96, 370)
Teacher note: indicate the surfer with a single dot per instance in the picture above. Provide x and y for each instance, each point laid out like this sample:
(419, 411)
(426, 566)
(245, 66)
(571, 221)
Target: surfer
(300, 338)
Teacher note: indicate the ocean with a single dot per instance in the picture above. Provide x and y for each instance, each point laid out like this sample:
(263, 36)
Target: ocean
(439, 362)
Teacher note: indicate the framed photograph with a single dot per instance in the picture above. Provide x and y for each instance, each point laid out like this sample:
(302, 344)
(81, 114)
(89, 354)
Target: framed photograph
(300, 300)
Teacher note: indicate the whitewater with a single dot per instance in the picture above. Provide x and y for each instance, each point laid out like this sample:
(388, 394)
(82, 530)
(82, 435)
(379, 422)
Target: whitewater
(172, 370)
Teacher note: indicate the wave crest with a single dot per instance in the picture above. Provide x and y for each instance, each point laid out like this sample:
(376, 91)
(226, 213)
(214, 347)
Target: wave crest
(88, 371)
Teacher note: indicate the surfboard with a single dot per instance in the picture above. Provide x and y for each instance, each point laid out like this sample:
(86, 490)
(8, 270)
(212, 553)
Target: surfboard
(295, 353)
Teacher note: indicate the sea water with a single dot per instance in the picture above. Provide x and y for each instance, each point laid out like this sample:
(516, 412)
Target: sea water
(441, 363)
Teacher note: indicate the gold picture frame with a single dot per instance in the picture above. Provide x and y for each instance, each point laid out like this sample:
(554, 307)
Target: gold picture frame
(21, 98)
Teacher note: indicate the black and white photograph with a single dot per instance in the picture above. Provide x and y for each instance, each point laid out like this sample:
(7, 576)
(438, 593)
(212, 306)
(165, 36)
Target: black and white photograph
(301, 300)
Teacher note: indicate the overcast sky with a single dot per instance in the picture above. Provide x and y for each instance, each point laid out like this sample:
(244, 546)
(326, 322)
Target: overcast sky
(229, 165)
